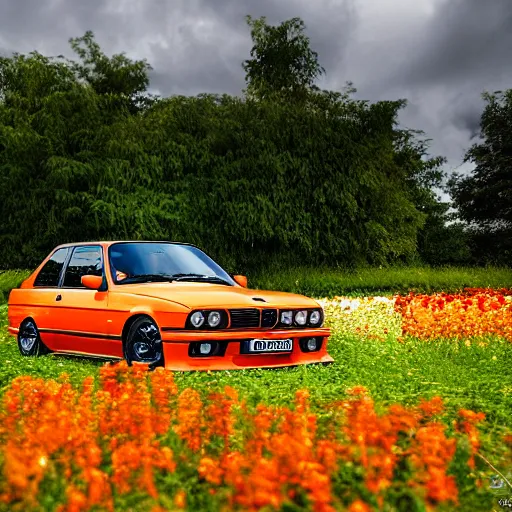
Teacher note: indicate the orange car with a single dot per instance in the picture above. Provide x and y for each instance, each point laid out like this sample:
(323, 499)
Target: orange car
(161, 303)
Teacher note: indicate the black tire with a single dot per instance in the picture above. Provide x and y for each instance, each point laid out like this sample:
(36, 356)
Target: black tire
(143, 343)
(29, 339)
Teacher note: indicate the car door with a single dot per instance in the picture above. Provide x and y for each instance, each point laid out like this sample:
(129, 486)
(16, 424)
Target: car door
(83, 325)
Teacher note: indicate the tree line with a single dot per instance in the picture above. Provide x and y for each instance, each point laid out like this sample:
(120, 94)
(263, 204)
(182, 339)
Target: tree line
(284, 173)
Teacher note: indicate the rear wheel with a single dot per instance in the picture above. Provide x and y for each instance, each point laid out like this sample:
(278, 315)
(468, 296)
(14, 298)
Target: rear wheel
(143, 343)
(29, 339)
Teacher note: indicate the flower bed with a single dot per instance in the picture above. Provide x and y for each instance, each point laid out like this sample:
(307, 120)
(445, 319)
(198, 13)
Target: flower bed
(473, 313)
(368, 317)
(133, 433)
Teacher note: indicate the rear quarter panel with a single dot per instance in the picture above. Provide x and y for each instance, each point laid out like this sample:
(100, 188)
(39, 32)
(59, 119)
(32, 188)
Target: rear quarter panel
(28, 303)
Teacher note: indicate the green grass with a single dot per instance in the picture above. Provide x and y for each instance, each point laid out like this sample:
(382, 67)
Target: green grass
(474, 377)
(471, 377)
(325, 282)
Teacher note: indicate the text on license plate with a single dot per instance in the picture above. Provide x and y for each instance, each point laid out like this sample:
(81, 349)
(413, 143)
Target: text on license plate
(270, 345)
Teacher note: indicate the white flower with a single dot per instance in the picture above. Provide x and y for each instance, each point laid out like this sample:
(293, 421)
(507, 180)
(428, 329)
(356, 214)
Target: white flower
(385, 300)
(355, 304)
(345, 304)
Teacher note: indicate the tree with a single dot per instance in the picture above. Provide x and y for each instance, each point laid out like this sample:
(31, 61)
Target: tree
(62, 177)
(117, 75)
(282, 62)
(287, 173)
(484, 198)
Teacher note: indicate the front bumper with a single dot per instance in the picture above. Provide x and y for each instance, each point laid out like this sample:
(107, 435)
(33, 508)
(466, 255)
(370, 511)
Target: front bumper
(176, 349)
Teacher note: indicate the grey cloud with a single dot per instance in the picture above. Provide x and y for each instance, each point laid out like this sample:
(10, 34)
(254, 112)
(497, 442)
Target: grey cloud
(45, 25)
(194, 46)
(465, 38)
(466, 116)
(439, 54)
(440, 60)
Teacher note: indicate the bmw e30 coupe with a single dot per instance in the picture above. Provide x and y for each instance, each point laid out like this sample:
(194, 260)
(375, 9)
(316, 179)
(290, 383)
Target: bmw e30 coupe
(164, 304)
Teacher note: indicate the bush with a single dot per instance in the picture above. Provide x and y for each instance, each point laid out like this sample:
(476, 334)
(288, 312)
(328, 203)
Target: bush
(11, 279)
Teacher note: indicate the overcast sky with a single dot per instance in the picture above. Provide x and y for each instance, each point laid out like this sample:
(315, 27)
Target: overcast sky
(439, 54)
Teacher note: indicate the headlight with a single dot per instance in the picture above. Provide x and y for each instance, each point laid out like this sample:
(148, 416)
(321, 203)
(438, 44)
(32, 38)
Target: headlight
(214, 319)
(315, 317)
(311, 344)
(197, 319)
(286, 317)
(210, 348)
(205, 348)
(301, 317)
(207, 319)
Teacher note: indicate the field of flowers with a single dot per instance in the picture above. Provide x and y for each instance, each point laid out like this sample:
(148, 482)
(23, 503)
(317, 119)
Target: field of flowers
(413, 415)
(474, 313)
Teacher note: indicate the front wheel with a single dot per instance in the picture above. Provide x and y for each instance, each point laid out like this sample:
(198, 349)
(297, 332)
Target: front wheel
(29, 339)
(143, 343)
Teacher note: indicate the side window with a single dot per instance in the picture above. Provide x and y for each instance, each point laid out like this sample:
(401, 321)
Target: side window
(86, 260)
(48, 276)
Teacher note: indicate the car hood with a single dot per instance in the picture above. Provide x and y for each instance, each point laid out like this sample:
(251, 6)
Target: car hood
(198, 295)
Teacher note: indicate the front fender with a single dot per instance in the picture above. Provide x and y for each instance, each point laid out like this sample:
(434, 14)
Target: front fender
(124, 306)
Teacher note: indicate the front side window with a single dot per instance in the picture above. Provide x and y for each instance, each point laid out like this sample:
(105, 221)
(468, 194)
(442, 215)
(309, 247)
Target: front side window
(85, 261)
(49, 275)
(151, 261)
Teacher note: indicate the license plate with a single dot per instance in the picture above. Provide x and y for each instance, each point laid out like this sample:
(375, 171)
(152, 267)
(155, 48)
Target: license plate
(265, 346)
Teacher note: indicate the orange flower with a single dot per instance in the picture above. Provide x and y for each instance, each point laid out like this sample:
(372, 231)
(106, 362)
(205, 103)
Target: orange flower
(357, 390)
(219, 415)
(476, 312)
(76, 501)
(431, 407)
(467, 425)
(180, 499)
(359, 506)
(189, 425)
(431, 454)
(113, 436)
(210, 470)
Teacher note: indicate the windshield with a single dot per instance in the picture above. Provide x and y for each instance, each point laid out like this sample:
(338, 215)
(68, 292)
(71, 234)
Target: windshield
(162, 261)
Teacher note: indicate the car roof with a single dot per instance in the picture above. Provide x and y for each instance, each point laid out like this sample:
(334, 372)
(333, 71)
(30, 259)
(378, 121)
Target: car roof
(112, 242)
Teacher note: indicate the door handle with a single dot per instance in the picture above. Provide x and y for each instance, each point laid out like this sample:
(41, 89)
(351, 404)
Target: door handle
(59, 297)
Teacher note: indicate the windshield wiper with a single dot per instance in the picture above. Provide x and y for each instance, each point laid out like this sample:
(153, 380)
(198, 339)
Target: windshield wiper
(147, 278)
(200, 278)
(162, 278)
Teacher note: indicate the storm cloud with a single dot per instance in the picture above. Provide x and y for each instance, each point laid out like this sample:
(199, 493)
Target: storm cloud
(438, 54)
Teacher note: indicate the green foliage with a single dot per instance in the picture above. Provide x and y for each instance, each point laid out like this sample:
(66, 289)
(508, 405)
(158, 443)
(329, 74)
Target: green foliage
(282, 61)
(117, 76)
(10, 280)
(483, 198)
(442, 241)
(313, 177)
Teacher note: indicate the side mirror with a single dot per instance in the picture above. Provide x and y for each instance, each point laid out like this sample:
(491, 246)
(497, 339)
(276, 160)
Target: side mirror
(92, 282)
(241, 280)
